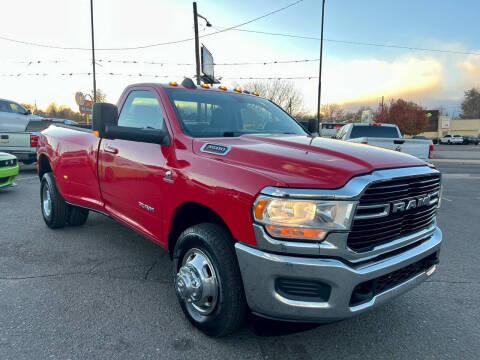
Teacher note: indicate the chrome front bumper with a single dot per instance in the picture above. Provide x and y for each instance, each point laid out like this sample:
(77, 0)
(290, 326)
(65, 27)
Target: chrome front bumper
(260, 271)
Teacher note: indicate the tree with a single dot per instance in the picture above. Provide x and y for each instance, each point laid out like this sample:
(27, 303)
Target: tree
(408, 116)
(101, 96)
(332, 112)
(471, 104)
(281, 92)
(57, 111)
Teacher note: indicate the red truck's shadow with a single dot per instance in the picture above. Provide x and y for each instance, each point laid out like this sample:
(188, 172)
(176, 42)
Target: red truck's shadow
(266, 327)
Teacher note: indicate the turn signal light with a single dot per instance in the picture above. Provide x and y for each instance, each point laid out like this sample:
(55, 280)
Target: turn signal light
(238, 90)
(96, 133)
(296, 233)
(259, 209)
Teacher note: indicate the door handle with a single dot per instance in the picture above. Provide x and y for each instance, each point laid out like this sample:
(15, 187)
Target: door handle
(111, 149)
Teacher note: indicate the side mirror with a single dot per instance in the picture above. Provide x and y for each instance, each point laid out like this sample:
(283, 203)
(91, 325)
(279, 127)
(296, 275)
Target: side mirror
(104, 115)
(105, 121)
(29, 112)
(312, 126)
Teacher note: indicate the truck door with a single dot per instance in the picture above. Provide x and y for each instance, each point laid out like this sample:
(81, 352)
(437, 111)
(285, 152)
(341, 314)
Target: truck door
(131, 173)
(12, 118)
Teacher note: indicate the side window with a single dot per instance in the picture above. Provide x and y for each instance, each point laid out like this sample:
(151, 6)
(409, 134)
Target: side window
(141, 110)
(5, 106)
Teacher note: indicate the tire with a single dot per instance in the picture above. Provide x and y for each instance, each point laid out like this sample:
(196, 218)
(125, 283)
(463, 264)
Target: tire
(77, 216)
(54, 208)
(226, 308)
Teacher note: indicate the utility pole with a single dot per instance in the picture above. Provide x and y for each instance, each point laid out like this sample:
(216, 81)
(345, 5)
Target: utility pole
(197, 50)
(320, 69)
(93, 54)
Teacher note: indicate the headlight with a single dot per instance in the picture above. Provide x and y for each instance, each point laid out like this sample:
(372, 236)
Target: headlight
(303, 219)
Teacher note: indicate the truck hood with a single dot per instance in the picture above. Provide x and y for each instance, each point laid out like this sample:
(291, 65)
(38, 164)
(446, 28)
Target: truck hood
(304, 161)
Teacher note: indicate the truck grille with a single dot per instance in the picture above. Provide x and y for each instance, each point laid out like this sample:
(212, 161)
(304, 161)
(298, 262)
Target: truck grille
(376, 221)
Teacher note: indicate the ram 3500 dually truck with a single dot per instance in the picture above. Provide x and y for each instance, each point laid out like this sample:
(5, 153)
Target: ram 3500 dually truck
(256, 214)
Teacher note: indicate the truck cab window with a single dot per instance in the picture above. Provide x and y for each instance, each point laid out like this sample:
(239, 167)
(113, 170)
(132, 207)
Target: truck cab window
(15, 108)
(141, 110)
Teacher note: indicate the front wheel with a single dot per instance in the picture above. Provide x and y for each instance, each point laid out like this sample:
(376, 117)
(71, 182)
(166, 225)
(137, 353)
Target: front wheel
(208, 281)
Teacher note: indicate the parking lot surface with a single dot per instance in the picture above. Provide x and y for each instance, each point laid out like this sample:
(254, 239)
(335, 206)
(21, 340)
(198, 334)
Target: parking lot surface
(101, 291)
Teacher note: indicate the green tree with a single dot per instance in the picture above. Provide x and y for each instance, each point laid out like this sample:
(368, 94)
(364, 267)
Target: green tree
(471, 104)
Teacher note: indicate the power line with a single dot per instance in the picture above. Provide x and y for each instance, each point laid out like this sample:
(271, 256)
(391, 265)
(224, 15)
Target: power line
(157, 44)
(68, 74)
(150, 62)
(360, 42)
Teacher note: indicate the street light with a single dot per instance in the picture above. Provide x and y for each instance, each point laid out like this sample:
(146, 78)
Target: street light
(197, 46)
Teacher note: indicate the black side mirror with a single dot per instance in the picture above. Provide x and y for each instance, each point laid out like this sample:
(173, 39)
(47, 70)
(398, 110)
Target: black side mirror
(28, 112)
(312, 126)
(105, 121)
(104, 115)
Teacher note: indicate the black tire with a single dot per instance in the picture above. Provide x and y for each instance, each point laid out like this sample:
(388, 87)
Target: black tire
(77, 216)
(57, 215)
(230, 309)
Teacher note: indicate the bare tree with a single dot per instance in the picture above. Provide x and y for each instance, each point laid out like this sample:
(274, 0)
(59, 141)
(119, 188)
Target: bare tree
(281, 92)
(101, 96)
(332, 112)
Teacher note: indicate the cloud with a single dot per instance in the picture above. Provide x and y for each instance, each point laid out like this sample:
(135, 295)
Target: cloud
(366, 81)
(470, 70)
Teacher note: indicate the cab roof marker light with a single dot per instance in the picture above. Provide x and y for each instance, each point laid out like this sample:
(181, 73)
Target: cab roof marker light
(238, 90)
(206, 86)
(222, 87)
(173, 83)
(255, 93)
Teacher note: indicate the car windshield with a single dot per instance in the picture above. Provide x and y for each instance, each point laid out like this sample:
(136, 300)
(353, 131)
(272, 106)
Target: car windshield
(374, 131)
(226, 114)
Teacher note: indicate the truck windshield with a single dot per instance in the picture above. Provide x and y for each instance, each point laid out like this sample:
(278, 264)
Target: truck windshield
(374, 131)
(219, 114)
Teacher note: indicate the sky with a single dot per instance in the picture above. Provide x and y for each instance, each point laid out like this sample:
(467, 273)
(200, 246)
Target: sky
(353, 74)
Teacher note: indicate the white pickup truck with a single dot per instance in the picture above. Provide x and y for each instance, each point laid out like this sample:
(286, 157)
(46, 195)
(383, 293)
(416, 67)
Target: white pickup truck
(19, 130)
(387, 136)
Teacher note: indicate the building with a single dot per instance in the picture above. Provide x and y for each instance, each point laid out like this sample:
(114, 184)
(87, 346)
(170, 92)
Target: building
(439, 126)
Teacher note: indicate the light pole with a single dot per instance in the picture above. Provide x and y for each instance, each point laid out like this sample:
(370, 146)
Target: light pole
(320, 68)
(197, 46)
(93, 54)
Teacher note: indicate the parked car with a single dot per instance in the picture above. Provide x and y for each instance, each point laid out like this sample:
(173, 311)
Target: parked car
(19, 130)
(257, 215)
(451, 139)
(470, 140)
(387, 136)
(8, 169)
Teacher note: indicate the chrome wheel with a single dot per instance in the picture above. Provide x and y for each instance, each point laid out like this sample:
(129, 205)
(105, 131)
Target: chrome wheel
(196, 282)
(46, 201)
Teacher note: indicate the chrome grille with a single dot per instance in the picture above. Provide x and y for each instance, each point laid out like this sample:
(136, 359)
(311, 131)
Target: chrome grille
(376, 224)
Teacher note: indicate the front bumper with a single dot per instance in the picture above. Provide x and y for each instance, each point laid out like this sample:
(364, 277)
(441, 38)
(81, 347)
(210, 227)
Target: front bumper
(7, 175)
(262, 270)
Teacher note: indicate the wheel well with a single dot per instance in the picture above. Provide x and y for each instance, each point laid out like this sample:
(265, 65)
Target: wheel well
(189, 214)
(43, 166)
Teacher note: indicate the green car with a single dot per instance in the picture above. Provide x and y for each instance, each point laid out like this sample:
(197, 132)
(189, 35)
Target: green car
(8, 169)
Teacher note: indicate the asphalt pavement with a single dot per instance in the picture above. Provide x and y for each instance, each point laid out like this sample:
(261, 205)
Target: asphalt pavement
(101, 291)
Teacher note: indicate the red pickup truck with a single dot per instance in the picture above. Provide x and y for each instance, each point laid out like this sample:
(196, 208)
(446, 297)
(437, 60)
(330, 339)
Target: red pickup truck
(257, 215)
